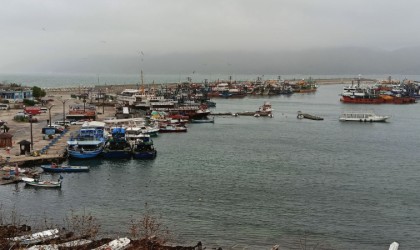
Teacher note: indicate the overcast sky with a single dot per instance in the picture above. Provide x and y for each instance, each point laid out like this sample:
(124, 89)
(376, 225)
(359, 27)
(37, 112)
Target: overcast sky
(51, 31)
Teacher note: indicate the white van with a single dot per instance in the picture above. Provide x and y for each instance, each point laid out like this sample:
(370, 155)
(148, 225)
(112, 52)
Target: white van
(61, 123)
(43, 109)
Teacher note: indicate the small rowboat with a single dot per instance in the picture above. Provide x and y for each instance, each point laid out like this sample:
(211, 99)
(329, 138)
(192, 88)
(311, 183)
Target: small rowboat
(36, 237)
(46, 184)
(70, 244)
(118, 244)
(64, 168)
(202, 120)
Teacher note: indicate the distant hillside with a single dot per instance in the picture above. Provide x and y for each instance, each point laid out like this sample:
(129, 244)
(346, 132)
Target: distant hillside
(326, 61)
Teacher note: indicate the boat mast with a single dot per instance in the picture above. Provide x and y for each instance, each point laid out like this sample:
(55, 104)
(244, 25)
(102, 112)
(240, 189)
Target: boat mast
(142, 82)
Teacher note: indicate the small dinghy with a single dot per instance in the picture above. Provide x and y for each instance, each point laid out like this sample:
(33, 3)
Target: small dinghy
(118, 244)
(36, 238)
(74, 243)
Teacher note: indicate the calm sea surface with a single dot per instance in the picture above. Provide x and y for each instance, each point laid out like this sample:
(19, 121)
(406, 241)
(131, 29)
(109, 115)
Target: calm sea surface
(257, 182)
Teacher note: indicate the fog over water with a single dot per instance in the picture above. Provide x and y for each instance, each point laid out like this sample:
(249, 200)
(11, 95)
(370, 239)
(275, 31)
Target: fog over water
(239, 36)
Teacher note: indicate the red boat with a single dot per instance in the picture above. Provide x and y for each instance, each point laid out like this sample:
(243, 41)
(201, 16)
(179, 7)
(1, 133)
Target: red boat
(398, 99)
(362, 100)
(378, 100)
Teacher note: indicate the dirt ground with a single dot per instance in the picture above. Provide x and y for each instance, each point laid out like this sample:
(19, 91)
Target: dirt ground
(22, 130)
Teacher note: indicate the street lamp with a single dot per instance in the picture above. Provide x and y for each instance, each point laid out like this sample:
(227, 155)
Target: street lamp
(32, 138)
(49, 111)
(64, 110)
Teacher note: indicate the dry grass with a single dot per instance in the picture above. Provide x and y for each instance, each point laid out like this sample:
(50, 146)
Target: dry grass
(149, 230)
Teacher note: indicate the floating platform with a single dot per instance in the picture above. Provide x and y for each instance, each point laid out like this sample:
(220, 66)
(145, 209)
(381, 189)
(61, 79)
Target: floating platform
(308, 116)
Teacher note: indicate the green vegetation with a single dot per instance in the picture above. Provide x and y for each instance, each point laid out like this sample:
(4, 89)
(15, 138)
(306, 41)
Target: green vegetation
(37, 92)
(28, 102)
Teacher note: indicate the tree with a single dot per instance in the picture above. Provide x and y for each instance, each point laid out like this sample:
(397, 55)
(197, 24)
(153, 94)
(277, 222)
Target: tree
(37, 92)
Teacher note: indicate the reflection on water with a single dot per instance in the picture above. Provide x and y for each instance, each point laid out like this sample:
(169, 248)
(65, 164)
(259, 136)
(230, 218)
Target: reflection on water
(260, 181)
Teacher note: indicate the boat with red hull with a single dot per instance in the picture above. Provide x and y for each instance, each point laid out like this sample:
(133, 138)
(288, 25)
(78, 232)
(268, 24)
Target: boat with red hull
(378, 100)
(362, 100)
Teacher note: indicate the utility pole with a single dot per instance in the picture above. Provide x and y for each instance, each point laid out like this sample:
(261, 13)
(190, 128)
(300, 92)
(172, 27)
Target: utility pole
(32, 138)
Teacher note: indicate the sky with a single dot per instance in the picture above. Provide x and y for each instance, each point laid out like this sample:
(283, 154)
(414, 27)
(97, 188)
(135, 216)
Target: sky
(38, 35)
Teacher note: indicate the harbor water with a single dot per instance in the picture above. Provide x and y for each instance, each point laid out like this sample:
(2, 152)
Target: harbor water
(256, 182)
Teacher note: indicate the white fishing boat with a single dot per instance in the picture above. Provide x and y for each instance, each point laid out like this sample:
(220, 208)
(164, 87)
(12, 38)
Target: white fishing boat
(43, 183)
(118, 244)
(363, 117)
(36, 237)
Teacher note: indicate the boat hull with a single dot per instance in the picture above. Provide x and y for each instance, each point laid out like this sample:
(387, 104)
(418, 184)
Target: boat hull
(84, 154)
(348, 99)
(202, 121)
(44, 184)
(172, 130)
(146, 155)
(117, 154)
(70, 169)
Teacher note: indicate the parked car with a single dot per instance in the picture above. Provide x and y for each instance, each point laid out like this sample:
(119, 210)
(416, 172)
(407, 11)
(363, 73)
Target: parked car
(77, 122)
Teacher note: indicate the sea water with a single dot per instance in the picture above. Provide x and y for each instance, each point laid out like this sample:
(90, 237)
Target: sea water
(257, 182)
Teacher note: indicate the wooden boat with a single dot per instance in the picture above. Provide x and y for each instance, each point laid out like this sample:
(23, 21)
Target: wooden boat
(45, 184)
(118, 244)
(70, 244)
(308, 116)
(54, 168)
(36, 237)
(202, 120)
(363, 117)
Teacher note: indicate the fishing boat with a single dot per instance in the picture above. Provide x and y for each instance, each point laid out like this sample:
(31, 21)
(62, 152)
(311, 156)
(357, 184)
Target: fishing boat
(143, 148)
(118, 244)
(264, 110)
(202, 120)
(36, 237)
(117, 147)
(44, 184)
(171, 128)
(363, 117)
(88, 142)
(54, 168)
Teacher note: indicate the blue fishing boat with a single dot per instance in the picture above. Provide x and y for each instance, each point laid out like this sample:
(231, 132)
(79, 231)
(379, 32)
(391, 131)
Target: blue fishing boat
(117, 147)
(88, 142)
(54, 168)
(143, 148)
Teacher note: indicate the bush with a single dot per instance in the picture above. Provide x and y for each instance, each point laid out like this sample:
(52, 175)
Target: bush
(149, 229)
(28, 102)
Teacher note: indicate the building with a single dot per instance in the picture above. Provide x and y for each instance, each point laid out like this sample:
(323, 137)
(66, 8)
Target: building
(14, 96)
